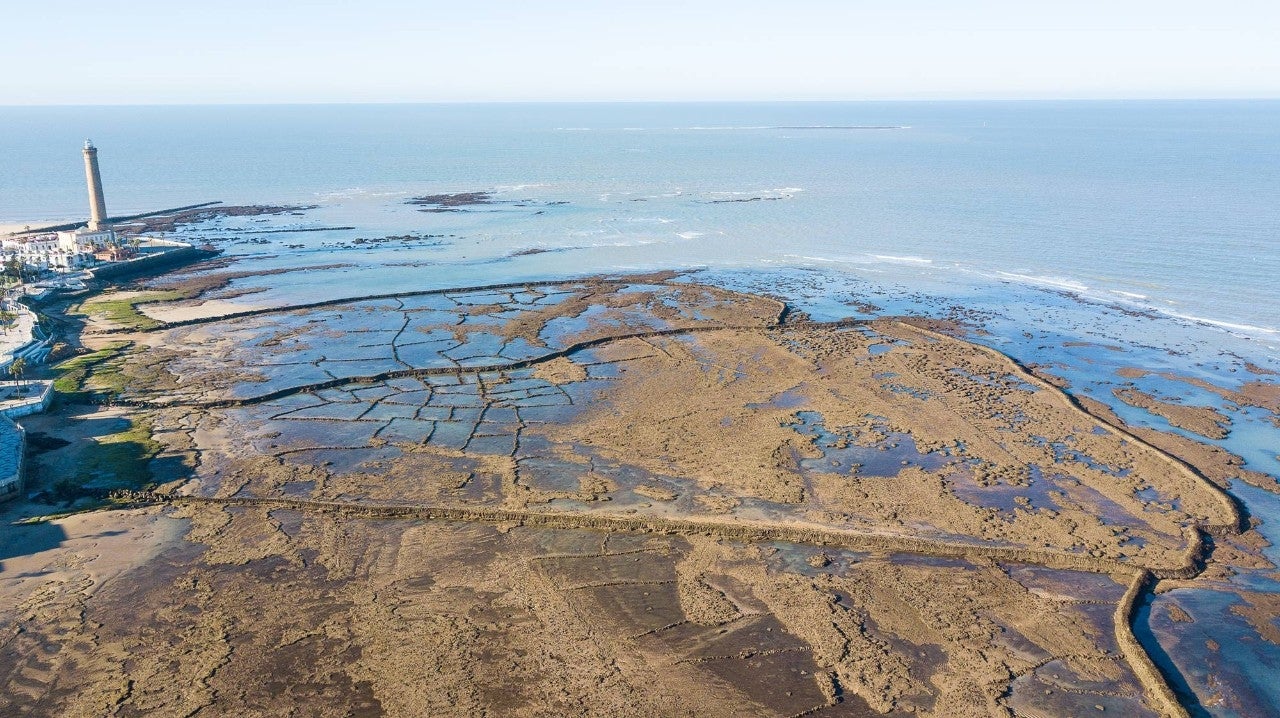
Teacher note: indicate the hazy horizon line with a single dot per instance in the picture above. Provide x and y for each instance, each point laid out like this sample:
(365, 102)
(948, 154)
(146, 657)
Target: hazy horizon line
(868, 100)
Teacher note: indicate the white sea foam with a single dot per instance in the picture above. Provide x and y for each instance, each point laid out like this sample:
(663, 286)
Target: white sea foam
(1056, 282)
(690, 235)
(520, 187)
(863, 261)
(902, 260)
(841, 127)
(348, 193)
(807, 258)
(633, 242)
(1249, 330)
(775, 193)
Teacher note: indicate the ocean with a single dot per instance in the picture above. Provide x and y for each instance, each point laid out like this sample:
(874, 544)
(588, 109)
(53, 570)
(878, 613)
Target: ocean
(1166, 205)
(1086, 237)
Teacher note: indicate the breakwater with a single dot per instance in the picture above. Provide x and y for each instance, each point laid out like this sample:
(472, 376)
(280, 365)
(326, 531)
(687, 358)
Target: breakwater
(152, 262)
(68, 226)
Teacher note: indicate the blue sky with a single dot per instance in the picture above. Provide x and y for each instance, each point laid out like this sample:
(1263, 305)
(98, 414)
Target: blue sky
(146, 51)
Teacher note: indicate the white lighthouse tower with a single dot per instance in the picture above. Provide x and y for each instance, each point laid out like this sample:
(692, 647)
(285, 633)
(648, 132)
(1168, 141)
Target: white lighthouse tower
(97, 204)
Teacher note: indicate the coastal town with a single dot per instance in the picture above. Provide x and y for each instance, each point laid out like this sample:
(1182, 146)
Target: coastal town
(40, 259)
(43, 262)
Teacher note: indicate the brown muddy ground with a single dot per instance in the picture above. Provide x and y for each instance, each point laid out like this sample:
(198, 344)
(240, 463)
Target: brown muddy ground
(631, 497)
(282, 612)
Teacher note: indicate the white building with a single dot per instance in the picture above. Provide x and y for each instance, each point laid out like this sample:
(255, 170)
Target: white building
(64, 251)
(41, 252)
(81, 240)
(83, 244)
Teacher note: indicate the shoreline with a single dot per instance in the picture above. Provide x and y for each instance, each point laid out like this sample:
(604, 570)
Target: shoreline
(1158, 691)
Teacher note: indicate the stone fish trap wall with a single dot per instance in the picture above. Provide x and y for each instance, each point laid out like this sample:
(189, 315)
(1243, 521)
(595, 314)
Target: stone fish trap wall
(1188, 565)
(1235, 523)
(1158, 691)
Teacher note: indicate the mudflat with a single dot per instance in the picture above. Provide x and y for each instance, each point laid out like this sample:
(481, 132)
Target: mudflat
(628, 496)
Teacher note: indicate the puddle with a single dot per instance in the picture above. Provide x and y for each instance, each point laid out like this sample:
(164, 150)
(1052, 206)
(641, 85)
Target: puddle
(841, 454)
(998, 381)
(1212, 661)
(553, 475)
(1039, 693)
(789, 399)
(340, 461)
(1037, 493)
(1064, 453)
(1067, 584)
(298, 490)
(412, 431)
(809, 560)
(451, 434)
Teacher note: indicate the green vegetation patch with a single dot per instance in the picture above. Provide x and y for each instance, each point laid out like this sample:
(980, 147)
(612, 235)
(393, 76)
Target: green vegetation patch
(111, 462)
(91, 378)
(124, 312)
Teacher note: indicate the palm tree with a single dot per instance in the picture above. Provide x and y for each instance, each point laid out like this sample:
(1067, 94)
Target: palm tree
(17, 369)
(13, 268)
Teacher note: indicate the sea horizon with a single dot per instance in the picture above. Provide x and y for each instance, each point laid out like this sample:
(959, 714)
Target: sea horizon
(1121, 200)
(727, 101)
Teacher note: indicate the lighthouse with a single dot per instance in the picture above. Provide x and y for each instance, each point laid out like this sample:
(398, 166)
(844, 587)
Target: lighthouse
(80, 246)
(97, 205)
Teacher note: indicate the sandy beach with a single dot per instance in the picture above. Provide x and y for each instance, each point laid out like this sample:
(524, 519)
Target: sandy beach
(15, 227)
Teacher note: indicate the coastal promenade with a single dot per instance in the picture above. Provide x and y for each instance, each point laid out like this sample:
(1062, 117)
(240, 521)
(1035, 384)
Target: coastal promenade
(34, 398)
(23, 337)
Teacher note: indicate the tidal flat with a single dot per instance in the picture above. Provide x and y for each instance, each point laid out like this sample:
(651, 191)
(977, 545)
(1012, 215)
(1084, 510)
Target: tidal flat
(657, 494)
